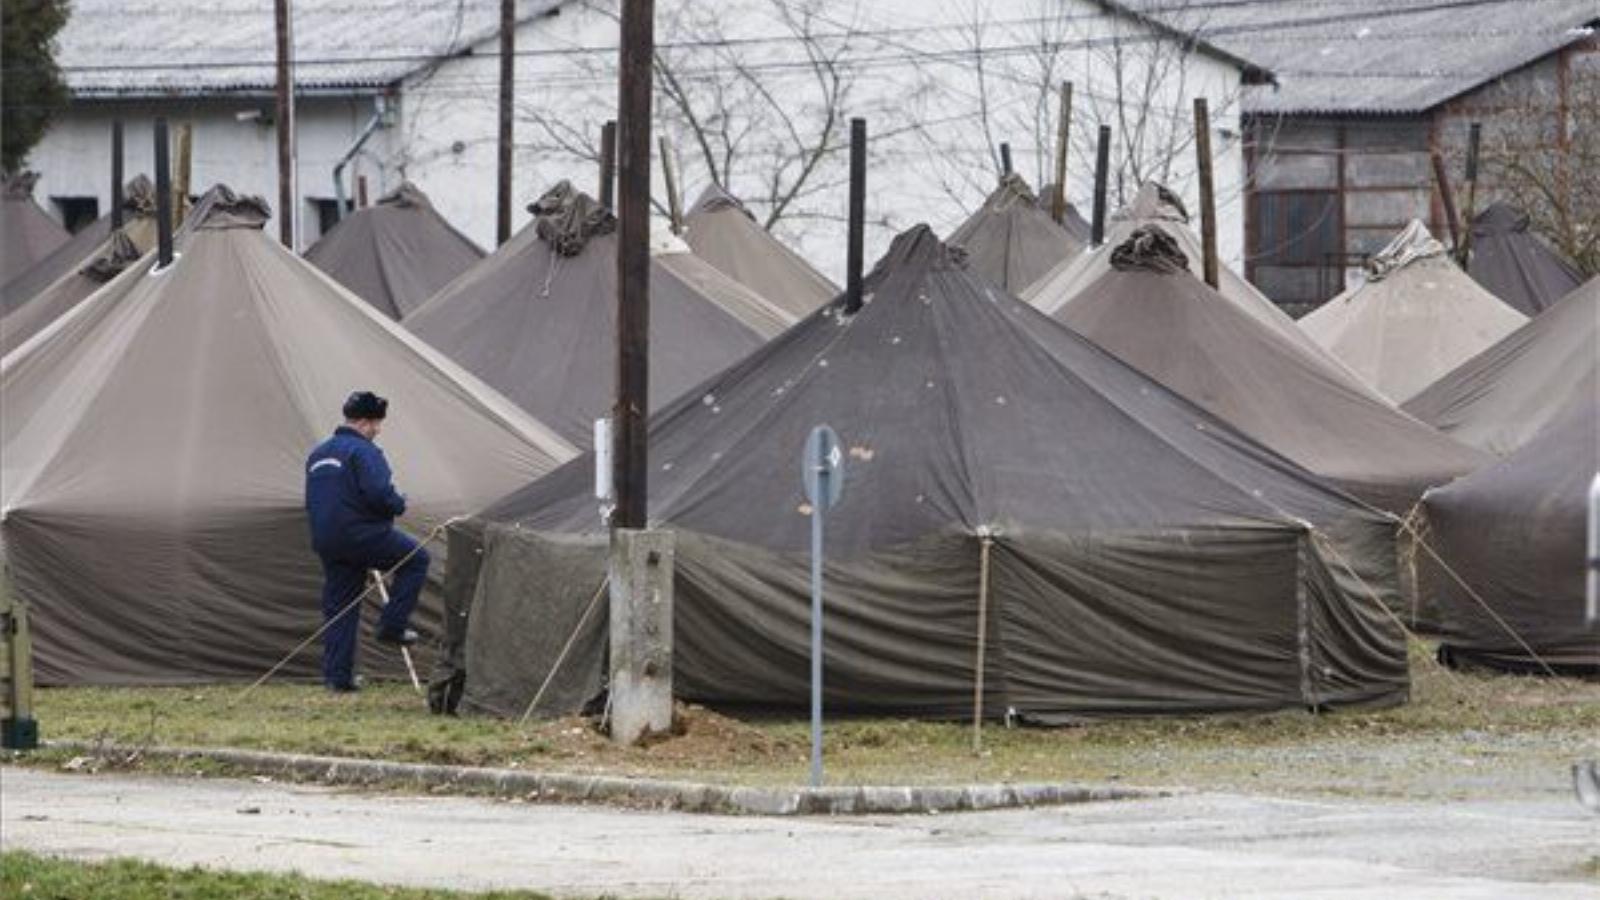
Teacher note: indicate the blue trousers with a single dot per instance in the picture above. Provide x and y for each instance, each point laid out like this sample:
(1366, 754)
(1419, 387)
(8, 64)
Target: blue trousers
(345, 577)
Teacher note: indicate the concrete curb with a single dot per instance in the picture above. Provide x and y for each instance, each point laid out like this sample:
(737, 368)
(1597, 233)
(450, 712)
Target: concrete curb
(685, 796)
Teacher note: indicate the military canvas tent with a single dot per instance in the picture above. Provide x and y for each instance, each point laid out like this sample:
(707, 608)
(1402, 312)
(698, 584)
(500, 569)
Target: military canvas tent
(1126, 552)
(118, 249)
(1157, 205)
(153, 449)
(1073, 221)
(1510, 262)
(90, 243)
(723, 233)
(537, 319)
(1509, 577)
(1152, 313)
(1011, 241)
(397, 254)
(1415, 318)
(1504, 396)
(27, 233)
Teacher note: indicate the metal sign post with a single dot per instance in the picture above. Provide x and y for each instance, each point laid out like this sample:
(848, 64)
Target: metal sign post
(822, 472)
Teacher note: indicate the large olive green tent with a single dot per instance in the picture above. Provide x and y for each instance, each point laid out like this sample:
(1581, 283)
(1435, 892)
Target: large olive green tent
(1152, 313)
(1512, 263)
(1416, 317)
(27, 233)
(395, 254)
(1011, 493)
(723, 233)
(153, 447)
(537, 319)
(1502, 398)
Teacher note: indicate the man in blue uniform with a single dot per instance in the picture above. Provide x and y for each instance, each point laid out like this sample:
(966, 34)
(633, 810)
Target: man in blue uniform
(352, 504)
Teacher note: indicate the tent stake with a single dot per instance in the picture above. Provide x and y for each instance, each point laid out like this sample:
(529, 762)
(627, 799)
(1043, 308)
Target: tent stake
(116, 174)
(1058, 197)
(1102, 162)
(1208, 197)
(674, 201)
(608, 164)
(983, 642)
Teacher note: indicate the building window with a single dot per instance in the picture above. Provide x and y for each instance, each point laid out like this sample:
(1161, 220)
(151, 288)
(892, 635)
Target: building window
(327, 213)
(77, 212)
(1296, 253)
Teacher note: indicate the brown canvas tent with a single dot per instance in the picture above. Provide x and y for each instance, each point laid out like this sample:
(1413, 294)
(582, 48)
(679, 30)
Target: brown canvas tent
(27, 233)
(1141, 556)
(1501, 398)
(1073, 221)
(1510, 587)
(1155, 204)
(1510, 262)
(117, 250)
(723, 233)
(397, 254)
(1415, 318)
(1152, 313)
(1011, 241)
(153, 450)
(89, 244)
(537, 319)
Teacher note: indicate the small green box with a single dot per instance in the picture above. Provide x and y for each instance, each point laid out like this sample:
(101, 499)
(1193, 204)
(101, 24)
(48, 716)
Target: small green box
(19, 734)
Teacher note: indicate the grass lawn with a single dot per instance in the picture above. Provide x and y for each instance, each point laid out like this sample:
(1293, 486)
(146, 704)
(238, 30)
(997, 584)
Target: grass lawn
(27, 875)
(1462, 735)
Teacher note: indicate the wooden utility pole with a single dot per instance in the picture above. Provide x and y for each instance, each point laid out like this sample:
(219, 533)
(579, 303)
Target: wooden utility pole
(608, 164)
(1449, 198)
(1058, 196)
(629, 417)
(1005, 159)
(1102, 165)
(858, 214)
(285, 126)
(184, 169)
(163, 196)
(116, 174)
(1474, 140)
(508, 68)
(1208, 197)
(674, 202)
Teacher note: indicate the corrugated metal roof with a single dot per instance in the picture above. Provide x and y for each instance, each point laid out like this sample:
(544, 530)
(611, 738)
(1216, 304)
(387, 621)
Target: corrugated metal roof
(157, 47)
(1378, 56)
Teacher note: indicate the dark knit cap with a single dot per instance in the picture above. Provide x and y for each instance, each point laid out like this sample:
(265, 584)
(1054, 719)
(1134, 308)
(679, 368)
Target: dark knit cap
(365, 405)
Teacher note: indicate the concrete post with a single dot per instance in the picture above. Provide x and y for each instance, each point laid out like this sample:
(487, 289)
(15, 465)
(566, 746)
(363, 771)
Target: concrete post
(641, 634)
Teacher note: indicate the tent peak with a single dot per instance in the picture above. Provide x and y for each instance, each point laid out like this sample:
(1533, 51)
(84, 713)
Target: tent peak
(18, 186)
(1014, 187)
(1150, 249)
(220, 208)
(566, 218)
(1155, 201)
(1500, 218)
(1410, 245)
(716, 197)
(405, 196)
(918, 247)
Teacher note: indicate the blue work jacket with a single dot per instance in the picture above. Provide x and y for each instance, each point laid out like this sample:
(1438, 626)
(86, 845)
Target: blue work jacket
(350, 495)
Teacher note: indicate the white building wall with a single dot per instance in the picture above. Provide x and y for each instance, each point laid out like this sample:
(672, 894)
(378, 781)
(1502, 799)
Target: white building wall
(74, 158)
(912, 69)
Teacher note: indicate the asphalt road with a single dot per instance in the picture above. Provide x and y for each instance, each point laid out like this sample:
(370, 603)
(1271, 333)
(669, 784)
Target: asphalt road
(1196, 846)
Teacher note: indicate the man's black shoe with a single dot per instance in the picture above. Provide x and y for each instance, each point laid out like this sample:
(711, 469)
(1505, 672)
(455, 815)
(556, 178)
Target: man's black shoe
(349, 688)
(405, 637)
